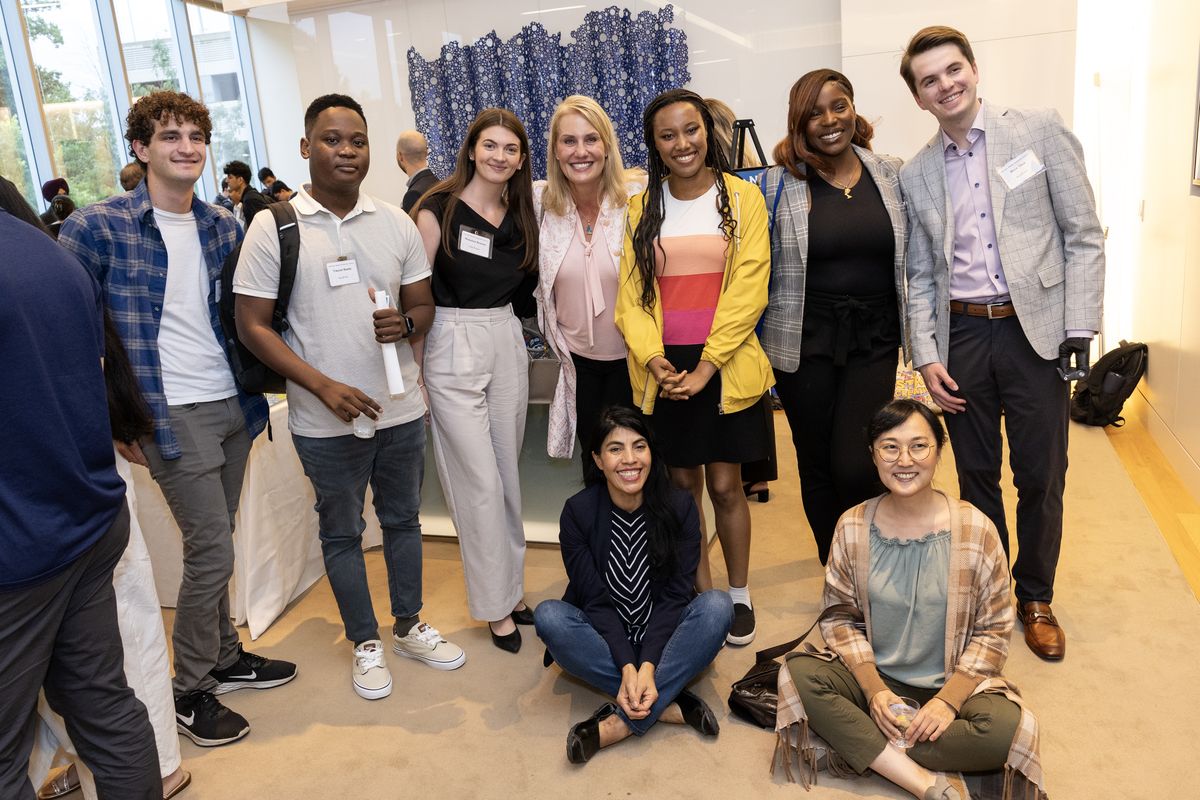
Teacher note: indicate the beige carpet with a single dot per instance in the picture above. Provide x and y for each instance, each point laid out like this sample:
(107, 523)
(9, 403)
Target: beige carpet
(1115, 714)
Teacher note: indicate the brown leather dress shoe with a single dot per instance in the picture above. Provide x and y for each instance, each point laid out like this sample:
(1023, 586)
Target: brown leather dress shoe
(1042, 632)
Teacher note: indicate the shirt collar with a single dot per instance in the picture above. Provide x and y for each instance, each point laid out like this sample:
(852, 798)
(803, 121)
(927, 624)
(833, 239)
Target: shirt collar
(143, 209)
(307, 205)
(414, 176)
(973, 135)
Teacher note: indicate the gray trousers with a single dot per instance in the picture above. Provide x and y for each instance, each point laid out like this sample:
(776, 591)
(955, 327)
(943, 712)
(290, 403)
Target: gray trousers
(202, 488)
(61, 635)
(477, 376)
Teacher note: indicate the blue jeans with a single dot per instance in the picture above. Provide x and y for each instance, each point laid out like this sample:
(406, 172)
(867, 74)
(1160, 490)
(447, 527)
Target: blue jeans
(340, 467)
(580, 650)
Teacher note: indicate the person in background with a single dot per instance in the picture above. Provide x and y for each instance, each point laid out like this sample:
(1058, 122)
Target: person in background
(832, 327)
(267, 178)
(248, 200)
(581, 210)
(63, 527)
(481, 237)
(157, 252)
(223, 200)
(331, 359)
(693, 284)
(1005, 277)
(280, 192)
(412, 156)
(929, 579)
(131, 175)
(50, 190)
(630, 623)
(756, 475)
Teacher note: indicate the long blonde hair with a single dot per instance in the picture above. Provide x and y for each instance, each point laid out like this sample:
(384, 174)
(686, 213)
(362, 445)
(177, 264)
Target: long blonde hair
(557, 197)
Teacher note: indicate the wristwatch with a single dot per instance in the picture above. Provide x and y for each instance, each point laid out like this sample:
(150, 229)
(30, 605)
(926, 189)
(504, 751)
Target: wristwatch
(409, 324)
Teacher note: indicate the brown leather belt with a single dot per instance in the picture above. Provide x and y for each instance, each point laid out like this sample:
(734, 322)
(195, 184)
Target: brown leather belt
(989, 310)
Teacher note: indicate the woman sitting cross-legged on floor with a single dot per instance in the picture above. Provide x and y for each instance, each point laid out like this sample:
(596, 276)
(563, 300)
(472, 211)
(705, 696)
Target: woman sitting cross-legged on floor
(931, 580)
(630, 623)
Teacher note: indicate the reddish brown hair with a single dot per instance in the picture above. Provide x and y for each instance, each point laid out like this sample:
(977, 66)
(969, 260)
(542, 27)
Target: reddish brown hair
(793, 148)
(925, 40)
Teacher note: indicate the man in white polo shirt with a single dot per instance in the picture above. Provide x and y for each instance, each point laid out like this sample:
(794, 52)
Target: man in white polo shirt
(350, 246)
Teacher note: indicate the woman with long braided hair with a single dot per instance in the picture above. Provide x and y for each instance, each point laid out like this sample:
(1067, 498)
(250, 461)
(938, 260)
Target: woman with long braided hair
(693, 283)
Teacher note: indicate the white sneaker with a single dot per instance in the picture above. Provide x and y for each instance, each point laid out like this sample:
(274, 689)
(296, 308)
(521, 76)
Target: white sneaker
(424, 643)
(372, 680)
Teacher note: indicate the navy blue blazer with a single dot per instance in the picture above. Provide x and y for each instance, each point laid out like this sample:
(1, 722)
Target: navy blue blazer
(585, 529)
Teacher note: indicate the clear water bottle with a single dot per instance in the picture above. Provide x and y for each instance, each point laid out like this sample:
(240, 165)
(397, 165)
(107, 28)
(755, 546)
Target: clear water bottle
(364, 426)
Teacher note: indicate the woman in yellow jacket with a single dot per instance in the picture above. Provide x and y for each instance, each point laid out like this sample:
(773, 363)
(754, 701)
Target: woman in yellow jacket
(693, 284)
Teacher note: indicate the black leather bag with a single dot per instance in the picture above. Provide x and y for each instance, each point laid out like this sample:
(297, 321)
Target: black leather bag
(755, 697)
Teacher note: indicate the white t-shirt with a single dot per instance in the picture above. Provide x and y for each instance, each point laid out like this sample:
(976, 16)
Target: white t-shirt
(194, 369)
(331, 327)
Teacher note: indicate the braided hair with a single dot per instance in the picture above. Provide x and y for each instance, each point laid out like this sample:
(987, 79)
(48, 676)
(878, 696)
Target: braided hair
(649, 228)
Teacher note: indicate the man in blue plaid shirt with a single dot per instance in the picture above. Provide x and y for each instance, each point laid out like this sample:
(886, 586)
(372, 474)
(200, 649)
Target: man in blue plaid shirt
(157, 252)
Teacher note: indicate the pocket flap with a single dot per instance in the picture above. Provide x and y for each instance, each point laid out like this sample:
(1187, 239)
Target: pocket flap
(1053, 274)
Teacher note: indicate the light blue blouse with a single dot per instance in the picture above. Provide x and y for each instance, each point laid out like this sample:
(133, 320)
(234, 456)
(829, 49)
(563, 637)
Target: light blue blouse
(907, 594)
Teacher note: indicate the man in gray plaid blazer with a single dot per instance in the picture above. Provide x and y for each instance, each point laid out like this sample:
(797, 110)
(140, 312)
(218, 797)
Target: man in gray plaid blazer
(1005, 275)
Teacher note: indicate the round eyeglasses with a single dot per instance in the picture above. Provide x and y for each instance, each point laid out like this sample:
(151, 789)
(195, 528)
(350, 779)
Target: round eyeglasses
(890, 453)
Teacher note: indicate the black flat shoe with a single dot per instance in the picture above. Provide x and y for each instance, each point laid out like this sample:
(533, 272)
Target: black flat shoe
(583, 740)
(762, 495)
(697, 714)
(509, 641)
(523, 616)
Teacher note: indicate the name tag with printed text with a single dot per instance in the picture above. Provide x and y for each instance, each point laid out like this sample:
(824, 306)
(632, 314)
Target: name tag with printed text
(475, 242)
(342, 272)
(1020, 169)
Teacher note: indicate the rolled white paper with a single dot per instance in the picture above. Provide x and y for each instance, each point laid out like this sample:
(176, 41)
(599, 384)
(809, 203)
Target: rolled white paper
(391, 359)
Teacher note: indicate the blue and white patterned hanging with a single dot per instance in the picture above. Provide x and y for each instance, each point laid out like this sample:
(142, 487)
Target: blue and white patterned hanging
(621, 60)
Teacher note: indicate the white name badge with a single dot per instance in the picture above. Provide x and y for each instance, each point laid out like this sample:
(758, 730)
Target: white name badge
(475, 242)
(342, 272)
(1020, 169)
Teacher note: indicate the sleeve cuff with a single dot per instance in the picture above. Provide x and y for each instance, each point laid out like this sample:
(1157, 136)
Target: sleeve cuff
(957, 689)
(868, 678)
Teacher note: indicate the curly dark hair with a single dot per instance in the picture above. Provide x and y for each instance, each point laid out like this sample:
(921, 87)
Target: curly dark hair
(160, 107)
(645, 237)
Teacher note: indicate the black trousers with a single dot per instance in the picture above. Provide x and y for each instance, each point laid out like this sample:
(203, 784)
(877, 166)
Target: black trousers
(997, 371)
(62, 636)
(828, 408)
(598, 385)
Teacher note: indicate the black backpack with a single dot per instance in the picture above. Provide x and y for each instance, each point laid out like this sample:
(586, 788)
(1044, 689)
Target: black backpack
(1098, 400)
(251, 374)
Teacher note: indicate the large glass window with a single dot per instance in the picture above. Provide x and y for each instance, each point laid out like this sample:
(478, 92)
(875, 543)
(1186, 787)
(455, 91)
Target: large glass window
(14, 157)
(72, 79)
(221, 87)
(148, 43)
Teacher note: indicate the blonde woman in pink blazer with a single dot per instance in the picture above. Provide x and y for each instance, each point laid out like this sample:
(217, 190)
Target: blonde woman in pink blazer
(581, 210)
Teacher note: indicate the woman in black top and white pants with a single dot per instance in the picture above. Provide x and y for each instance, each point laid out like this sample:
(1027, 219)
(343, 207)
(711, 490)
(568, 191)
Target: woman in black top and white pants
(834, 319)
(480, 235)
(630, 623)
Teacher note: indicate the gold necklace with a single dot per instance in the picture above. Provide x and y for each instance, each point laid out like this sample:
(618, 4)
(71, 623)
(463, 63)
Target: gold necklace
(843, 186)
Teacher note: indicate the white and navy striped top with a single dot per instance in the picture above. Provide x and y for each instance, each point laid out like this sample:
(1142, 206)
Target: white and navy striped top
(628, 572)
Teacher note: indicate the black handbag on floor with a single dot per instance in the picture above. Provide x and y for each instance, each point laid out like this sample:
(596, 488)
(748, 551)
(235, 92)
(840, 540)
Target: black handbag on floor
(754, 697)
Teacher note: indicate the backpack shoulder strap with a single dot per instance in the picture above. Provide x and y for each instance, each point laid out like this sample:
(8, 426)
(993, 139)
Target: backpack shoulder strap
(287, 225)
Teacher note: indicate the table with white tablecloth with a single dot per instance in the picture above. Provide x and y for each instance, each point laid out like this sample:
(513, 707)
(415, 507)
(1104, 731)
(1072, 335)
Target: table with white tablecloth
(276, 549)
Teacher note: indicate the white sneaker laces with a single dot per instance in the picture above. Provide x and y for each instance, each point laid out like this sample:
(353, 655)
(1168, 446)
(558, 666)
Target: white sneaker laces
(367, 658)
(426, 634)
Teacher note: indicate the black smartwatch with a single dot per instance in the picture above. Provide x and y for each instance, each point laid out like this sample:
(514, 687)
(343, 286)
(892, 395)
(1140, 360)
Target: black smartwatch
(409, 324)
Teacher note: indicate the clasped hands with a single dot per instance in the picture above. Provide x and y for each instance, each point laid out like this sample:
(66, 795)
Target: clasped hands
(638, 692)
(931, 720)
(679, 385)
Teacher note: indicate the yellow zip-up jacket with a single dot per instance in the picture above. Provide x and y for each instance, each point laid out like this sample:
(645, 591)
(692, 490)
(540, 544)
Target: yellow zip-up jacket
(732, 346)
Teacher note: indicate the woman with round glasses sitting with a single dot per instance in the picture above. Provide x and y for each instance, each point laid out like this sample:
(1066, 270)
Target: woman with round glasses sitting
(930, 577)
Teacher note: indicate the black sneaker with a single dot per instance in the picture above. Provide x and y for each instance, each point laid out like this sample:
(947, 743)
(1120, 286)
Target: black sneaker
(201, 717)
(252, 672)
(741, 632)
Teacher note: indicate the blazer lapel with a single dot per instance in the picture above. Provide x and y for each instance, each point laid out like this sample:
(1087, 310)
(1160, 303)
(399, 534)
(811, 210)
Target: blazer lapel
(602, 527)
(935, 182)
(998, 130)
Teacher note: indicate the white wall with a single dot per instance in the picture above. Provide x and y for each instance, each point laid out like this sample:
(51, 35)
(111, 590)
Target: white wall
(747, 57)
(1025, 50)
(1138, 105)
(279, 95)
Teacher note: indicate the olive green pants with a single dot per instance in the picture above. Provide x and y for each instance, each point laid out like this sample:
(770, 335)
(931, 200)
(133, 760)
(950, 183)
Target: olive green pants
(977, 741)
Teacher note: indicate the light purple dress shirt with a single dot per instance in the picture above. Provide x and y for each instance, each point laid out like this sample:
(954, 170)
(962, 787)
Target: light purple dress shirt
(977, 276)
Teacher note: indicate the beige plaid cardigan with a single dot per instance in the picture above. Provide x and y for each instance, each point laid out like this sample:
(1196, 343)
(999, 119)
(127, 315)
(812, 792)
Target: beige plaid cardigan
(979, 622)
